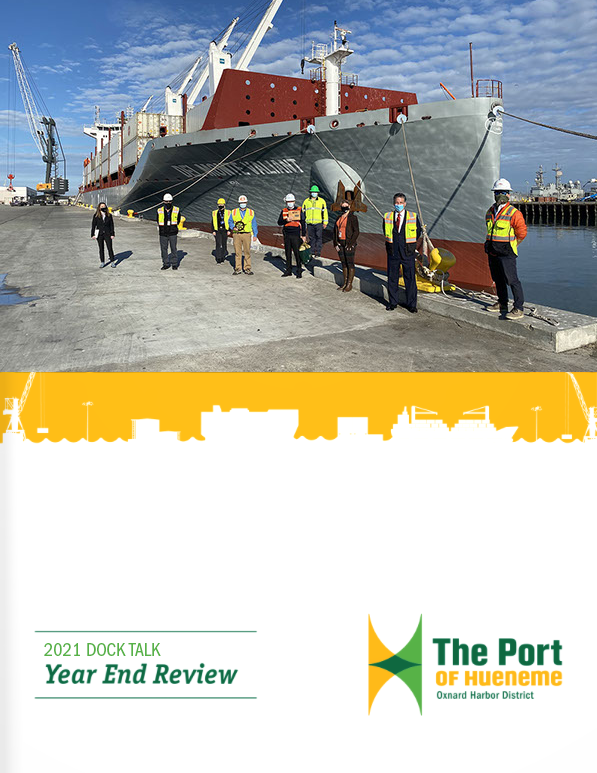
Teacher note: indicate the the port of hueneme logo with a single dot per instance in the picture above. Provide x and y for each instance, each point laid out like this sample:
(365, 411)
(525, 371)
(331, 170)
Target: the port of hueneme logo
(405, 664)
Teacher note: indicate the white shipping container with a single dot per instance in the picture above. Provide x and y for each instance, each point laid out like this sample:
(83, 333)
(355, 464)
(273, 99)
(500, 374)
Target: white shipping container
(132, 151)
(148, 125)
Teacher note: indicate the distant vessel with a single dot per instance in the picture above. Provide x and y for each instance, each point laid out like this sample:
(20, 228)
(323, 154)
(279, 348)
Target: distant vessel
(556, 191)
(192, 148)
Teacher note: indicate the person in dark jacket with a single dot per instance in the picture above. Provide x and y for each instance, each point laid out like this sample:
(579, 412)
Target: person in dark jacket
(220, 218)
(404, 236)
(102, 229)
(292, 220)
(168, 220)
(346, 233)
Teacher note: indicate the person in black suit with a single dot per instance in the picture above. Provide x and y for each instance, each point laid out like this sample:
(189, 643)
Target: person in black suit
(102, 229)
(403, 235)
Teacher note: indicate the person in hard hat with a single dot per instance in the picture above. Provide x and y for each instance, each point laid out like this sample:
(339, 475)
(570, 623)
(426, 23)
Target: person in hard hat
(102, 229)
(220, 218)
(346, 233)
(403, 235)
(506, 228)
(292, 220)
(243, 224)
(168, 220)
(316, 217)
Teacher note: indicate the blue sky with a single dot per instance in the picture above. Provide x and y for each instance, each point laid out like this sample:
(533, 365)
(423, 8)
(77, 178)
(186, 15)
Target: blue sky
(118, 53)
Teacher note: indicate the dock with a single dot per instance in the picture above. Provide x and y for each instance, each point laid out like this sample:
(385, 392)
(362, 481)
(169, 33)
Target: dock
(572, 213)
(76, 316)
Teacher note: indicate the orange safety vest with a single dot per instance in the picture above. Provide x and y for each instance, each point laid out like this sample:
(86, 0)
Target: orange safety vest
(292, 216)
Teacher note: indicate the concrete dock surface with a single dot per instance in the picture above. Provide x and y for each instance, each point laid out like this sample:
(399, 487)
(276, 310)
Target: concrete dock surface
(135, 317)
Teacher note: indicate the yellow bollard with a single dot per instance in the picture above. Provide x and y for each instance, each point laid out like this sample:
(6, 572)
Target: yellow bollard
(109, 210)
(181, 225)
(130, 212)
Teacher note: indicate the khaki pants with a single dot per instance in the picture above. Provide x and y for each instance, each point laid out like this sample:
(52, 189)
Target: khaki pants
(242, 242)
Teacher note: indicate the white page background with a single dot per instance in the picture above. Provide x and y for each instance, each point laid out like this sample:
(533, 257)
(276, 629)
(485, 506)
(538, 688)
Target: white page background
(300, 541)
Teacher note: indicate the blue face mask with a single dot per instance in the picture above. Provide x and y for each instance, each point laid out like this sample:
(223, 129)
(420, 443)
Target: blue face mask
(398, 207)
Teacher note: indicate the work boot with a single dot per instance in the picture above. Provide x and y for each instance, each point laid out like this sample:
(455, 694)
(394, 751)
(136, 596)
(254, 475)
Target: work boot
(287, 273)
(515, 314)
(496, 308)
(348, 287)
(345, 275)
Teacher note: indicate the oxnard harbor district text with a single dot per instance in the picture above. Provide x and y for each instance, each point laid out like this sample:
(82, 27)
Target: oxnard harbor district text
(485, 695)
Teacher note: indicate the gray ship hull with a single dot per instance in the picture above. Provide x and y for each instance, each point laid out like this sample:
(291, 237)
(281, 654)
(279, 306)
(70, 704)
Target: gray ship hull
(454, 148)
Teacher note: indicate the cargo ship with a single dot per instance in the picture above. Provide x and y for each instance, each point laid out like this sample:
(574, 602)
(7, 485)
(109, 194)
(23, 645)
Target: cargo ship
(226, 131)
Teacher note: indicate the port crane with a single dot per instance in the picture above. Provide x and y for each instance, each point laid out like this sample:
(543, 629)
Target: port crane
(14, 408)
(43, 130)
(589, 413)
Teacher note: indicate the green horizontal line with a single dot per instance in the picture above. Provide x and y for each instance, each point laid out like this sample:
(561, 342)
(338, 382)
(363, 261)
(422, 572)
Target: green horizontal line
(145, 632)
(145, 698)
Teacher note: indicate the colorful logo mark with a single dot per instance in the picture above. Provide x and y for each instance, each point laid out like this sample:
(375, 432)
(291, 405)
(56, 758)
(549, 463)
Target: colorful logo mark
(405, 664)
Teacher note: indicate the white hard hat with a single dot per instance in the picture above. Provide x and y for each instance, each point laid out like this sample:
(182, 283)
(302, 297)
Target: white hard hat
(242, 199)
(167, 197)
(501, 185)
(289, 197)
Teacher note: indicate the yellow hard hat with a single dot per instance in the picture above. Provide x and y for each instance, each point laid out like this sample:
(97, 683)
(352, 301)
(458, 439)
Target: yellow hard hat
(221, 201)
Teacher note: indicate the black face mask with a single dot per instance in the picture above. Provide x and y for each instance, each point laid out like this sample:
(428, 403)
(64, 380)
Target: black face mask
(345, 209)
(220, 206)
(103, 210)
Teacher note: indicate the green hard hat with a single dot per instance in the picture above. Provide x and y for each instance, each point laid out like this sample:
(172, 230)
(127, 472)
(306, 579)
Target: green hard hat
(314, 188)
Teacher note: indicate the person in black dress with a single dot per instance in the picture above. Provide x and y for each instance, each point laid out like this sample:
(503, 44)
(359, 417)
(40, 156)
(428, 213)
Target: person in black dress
(102, 229)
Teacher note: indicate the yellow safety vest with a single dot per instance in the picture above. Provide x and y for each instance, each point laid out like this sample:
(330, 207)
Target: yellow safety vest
(243, 225)
(316, 211)
(500, 229)
(173, 219)
(214, 217)
(410, 227)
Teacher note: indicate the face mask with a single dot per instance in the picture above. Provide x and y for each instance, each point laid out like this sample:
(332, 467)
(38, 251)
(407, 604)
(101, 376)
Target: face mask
(103, 210)
(398, 207)
(290, 204)
(243, 206)
(220, 206)
(314, 195)
(168, 205)
(500, 198)
(344, 209)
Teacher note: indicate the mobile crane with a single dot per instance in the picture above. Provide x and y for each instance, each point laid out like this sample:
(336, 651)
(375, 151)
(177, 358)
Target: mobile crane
(14, 408)
(43, 130)
(589, 413)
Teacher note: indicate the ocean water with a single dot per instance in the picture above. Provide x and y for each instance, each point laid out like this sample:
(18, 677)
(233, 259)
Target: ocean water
(557, 266)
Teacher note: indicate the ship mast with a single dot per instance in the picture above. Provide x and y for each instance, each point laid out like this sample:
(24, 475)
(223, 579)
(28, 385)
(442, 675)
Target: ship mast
(330, 59)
